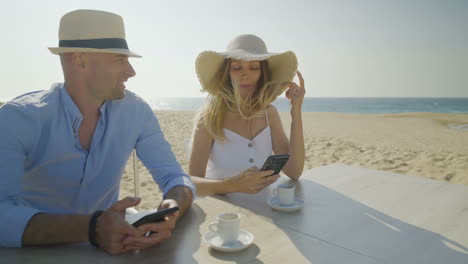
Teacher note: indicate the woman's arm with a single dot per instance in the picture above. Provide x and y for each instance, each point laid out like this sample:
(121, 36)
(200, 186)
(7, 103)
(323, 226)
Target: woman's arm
(202, 143)
(295, 146)
(248, 181)
(201, 148)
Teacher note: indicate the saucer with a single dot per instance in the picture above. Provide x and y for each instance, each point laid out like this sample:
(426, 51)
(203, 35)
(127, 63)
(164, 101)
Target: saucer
(214, 241)
(275, 204)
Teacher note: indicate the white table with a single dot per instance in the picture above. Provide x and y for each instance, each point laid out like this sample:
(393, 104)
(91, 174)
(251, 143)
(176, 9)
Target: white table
(350, 215)
(388, 217)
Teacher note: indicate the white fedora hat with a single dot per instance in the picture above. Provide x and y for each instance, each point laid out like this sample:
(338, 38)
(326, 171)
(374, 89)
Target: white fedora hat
(92, 31)
(282, 66)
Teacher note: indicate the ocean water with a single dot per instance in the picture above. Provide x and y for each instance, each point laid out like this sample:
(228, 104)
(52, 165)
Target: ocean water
(340, 105)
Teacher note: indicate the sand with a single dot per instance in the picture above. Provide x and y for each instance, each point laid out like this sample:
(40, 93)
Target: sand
(415, 144)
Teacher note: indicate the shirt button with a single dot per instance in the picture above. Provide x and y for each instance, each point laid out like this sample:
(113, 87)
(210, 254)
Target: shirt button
(251, 160)
(250, 144)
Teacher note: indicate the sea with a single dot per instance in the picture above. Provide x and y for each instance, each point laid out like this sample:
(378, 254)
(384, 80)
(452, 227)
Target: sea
(339, 105)
(344, 105)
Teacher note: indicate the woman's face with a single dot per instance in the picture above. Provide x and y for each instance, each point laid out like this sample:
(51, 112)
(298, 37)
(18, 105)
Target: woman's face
(245, 76)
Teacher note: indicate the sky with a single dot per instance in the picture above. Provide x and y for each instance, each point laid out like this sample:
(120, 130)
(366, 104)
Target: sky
(345, 48)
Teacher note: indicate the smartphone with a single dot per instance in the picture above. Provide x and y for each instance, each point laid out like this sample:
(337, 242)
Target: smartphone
(155, 217)
(275, 162)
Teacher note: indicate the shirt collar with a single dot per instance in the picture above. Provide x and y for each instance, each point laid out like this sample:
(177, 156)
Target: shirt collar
(103, 109)
(72, 110)
(70, 107)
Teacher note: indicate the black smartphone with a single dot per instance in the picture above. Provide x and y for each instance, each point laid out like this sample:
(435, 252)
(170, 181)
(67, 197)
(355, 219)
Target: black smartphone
(275, 162)
(155, 217)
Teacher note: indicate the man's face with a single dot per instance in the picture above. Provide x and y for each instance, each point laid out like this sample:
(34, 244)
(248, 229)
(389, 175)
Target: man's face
(108, 73)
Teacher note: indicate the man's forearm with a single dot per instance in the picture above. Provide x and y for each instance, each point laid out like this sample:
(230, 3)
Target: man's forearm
(47, 229)
(183, 196)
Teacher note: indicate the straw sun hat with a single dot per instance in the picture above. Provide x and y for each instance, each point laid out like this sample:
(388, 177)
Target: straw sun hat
(92, 31)
(282, 66)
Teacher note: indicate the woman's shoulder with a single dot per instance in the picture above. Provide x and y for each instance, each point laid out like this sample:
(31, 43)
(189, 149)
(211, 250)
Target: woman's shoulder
(273, 116)
(271, 110)
(199, 121)
(200, 126)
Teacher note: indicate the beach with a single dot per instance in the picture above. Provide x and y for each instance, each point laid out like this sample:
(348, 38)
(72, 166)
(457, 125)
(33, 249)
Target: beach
(414, 144)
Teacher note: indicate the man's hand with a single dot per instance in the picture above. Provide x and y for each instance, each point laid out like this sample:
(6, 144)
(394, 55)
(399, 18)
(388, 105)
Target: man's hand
(112, 229)
(169, 203)
(178, 196)
(162, 230)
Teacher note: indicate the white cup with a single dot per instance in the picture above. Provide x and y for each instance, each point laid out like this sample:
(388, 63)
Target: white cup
(227, 227)
(284, 193)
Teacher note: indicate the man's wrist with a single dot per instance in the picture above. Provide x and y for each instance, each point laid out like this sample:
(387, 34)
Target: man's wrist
(182, 195)
(92, 228)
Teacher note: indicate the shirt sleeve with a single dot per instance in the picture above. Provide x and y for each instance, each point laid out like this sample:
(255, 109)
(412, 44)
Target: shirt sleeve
(14, 138)
(157, 156)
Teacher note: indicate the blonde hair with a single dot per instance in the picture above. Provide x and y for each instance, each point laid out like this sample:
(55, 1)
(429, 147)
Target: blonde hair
(226, 98)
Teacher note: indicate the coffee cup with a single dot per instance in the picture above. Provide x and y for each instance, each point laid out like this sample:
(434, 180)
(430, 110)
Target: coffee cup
(284, 193)
(227, 227)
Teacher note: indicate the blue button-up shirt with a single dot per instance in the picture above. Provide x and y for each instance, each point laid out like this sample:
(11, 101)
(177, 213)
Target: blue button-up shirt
(43, 167)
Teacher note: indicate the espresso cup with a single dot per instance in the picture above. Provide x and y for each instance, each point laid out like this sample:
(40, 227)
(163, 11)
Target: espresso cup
(284, 193)
(227, 227)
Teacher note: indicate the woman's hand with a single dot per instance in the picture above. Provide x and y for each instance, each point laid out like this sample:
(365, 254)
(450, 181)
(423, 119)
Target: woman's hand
(253, 180)
(295, 93)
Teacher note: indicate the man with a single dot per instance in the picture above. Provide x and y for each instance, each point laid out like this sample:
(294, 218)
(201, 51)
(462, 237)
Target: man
(63, 150)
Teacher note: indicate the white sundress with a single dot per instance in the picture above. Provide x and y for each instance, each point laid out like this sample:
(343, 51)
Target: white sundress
(237, 153)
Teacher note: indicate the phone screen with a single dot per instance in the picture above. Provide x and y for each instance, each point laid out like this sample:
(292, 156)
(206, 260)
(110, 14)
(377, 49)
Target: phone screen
(275, 162)
(155, 217)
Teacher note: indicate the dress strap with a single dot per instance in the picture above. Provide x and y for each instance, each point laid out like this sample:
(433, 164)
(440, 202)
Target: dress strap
(266, 115)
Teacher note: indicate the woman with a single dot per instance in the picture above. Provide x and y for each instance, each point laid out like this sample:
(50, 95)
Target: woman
(238, 128)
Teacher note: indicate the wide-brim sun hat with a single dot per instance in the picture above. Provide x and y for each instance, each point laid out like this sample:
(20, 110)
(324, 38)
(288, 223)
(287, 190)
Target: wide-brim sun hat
(92, 31)
(282, 66)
